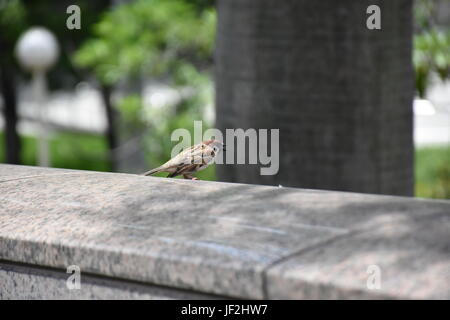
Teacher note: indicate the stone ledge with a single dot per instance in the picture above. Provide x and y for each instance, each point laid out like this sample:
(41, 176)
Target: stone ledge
(234, 240)
(27, 282)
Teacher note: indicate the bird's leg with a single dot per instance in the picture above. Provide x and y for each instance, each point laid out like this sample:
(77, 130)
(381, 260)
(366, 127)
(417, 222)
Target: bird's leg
(187, 176)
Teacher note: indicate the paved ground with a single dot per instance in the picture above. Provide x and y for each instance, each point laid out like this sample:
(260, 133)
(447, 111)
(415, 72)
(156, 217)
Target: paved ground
(434, 127)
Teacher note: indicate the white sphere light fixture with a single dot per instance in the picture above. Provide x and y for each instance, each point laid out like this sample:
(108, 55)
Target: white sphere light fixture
(37, 49)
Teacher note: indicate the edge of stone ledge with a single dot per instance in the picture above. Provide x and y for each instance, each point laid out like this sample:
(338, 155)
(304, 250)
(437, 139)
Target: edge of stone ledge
(79, 171)
(265, 271)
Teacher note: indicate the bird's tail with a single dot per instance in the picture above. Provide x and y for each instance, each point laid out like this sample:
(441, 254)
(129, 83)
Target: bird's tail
(148, 173)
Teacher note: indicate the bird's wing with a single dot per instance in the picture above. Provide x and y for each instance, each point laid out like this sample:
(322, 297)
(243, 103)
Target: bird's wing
(188, 156)
(191, 155)
(183, 169)
(189, 160)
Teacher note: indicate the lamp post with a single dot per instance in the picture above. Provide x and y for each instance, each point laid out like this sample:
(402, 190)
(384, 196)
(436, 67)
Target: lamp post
(37, 50)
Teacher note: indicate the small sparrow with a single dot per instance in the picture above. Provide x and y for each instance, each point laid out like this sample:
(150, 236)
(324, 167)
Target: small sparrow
(191, 160)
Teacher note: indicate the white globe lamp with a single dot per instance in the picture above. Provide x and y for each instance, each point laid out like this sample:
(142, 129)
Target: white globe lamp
(37, 50)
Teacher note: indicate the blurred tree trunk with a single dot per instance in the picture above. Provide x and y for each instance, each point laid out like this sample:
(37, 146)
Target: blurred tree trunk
(340, 94)
(12, 140)
(111, 124)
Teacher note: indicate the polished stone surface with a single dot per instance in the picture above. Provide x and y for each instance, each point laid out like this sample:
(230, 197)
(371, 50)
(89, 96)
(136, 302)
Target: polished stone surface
(31, 283)
(410, 256)
(228, 239)
(9, 172)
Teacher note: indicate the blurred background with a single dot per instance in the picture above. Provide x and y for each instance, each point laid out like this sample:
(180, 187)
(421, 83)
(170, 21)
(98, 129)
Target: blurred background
(137, 70)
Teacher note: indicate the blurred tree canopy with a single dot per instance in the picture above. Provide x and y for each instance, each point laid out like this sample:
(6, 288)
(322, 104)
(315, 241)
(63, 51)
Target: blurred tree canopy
(431, 47)
(149, 37)
(12, 23)
(16, 16)
(168, 40)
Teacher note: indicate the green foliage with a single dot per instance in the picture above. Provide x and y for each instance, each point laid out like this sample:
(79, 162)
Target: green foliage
(423, 11)
(12, 18)
(431, 54)
(16, 16)
(162, 121)
(431, 47)
(158, 122)
(433, 172)
(131, 117)
(67, 150)
(12, 22)
(170, 40)
(147, 37)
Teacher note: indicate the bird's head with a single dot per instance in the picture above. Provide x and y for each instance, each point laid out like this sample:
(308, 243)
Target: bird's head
(216, 145)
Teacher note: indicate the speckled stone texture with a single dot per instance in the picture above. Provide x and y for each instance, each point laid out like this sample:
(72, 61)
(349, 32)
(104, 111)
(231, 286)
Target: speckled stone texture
(233, 240)
(20, 282)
